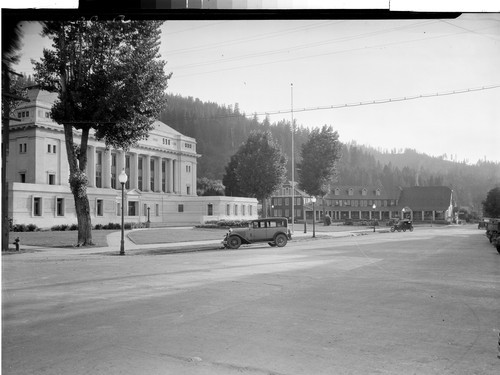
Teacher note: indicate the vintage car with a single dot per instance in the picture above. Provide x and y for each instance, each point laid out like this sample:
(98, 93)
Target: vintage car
(273, 230)
(402, 225)
(493, 233)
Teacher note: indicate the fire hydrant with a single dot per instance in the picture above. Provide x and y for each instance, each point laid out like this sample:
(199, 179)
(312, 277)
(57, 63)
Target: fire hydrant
(16, 242)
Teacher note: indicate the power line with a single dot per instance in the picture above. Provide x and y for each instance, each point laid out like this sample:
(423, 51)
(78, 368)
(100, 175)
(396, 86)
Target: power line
(364, 103)
(326, 53)
(302, 46)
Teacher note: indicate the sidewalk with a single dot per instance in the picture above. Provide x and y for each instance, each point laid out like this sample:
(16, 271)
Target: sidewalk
(114, 240)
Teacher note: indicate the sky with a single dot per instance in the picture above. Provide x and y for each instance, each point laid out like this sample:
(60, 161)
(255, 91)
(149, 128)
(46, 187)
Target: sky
(269, 66)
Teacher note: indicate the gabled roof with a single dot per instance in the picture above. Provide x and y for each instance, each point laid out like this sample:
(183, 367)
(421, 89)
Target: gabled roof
(357, 192)
(164, 129)
(426, 198)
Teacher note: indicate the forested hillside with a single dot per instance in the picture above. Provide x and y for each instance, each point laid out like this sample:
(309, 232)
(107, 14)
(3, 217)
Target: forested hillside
(220, 130)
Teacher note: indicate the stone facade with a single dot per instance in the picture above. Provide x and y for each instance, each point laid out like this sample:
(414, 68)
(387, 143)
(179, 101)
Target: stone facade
(161, 186)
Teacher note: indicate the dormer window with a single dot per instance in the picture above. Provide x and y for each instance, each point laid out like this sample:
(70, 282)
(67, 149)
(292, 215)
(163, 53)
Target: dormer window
(350, 191)
(377, 192)
(363, 192)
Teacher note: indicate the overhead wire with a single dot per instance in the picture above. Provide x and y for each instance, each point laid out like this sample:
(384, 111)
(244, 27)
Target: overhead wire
(324, 54)
(362, 103)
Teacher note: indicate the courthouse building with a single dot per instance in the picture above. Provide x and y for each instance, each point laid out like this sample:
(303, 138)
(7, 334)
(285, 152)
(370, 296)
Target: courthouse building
(161, 171)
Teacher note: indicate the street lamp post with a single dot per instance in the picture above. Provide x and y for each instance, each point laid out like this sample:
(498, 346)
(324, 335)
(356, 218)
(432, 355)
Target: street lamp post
(313, 200)
(374, 207)
(123, 179)
(149, 221)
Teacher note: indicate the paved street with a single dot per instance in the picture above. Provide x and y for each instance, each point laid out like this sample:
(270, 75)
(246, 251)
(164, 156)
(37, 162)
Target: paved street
(425, 302)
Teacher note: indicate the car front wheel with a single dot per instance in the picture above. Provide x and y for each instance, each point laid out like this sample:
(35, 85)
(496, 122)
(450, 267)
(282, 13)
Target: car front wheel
(234, 242)
(280, 240)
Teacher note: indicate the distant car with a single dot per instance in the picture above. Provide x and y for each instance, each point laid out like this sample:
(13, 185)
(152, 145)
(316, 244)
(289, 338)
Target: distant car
(402, 225)
(274, 231)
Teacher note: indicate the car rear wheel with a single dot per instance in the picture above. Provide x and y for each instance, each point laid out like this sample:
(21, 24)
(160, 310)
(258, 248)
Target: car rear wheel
(234, 242)
(280, 240)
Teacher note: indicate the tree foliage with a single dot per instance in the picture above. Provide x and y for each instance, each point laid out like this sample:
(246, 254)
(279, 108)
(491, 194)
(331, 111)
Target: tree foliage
(258, 168)
(208, 187)
(319, 156)
(109, 78)
(491, 205)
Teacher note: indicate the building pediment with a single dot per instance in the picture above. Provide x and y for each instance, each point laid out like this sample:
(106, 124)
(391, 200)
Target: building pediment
(134, 193)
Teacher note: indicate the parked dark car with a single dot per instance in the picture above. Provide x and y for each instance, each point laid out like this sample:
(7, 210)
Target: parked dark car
(274, 231)
(493, 233)
(402, 225)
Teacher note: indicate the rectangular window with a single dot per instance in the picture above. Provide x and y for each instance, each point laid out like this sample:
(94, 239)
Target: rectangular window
(99, 207)
(60, 206)
(118, 209)
(127, 171)
(49, 147)
(250, 210)
(243, 210)
(163, 176)
(113, 171)
(152, 174)
(98, 169)
(54, 149)
(180, 208)
(236, 210)
(37, 206)
(22, 148)
(228, 209)
(210, 209)
(47, 114)
(157, 209)
(139, 175)
(188, 190)
(132, 208)
(19, 114)
(24, 114)
(52, 179)
(22, 177)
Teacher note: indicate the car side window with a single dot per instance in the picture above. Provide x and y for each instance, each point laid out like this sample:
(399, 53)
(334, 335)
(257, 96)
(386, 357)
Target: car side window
(256, 224)
(272, 224)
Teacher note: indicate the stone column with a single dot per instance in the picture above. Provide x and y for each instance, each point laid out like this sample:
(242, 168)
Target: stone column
(106, 169)
(91, 165)
(134, 170)
(170, 174)
(146, 171)
(158, 174)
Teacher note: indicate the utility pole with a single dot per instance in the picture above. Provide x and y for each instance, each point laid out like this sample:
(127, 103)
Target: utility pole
(293, 163)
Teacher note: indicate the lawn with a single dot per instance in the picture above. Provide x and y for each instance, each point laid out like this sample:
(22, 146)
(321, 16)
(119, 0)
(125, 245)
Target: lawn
(169, 235)
(57, 238)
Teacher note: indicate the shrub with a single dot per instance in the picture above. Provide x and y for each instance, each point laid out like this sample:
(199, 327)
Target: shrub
(98, 226)
(61, 227)
(328, 220)
(19, 228)
(73, 227)
(32, 228)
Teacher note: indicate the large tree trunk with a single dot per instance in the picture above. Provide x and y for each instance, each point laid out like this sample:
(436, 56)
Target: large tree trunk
(5, 154)
(77, 160)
